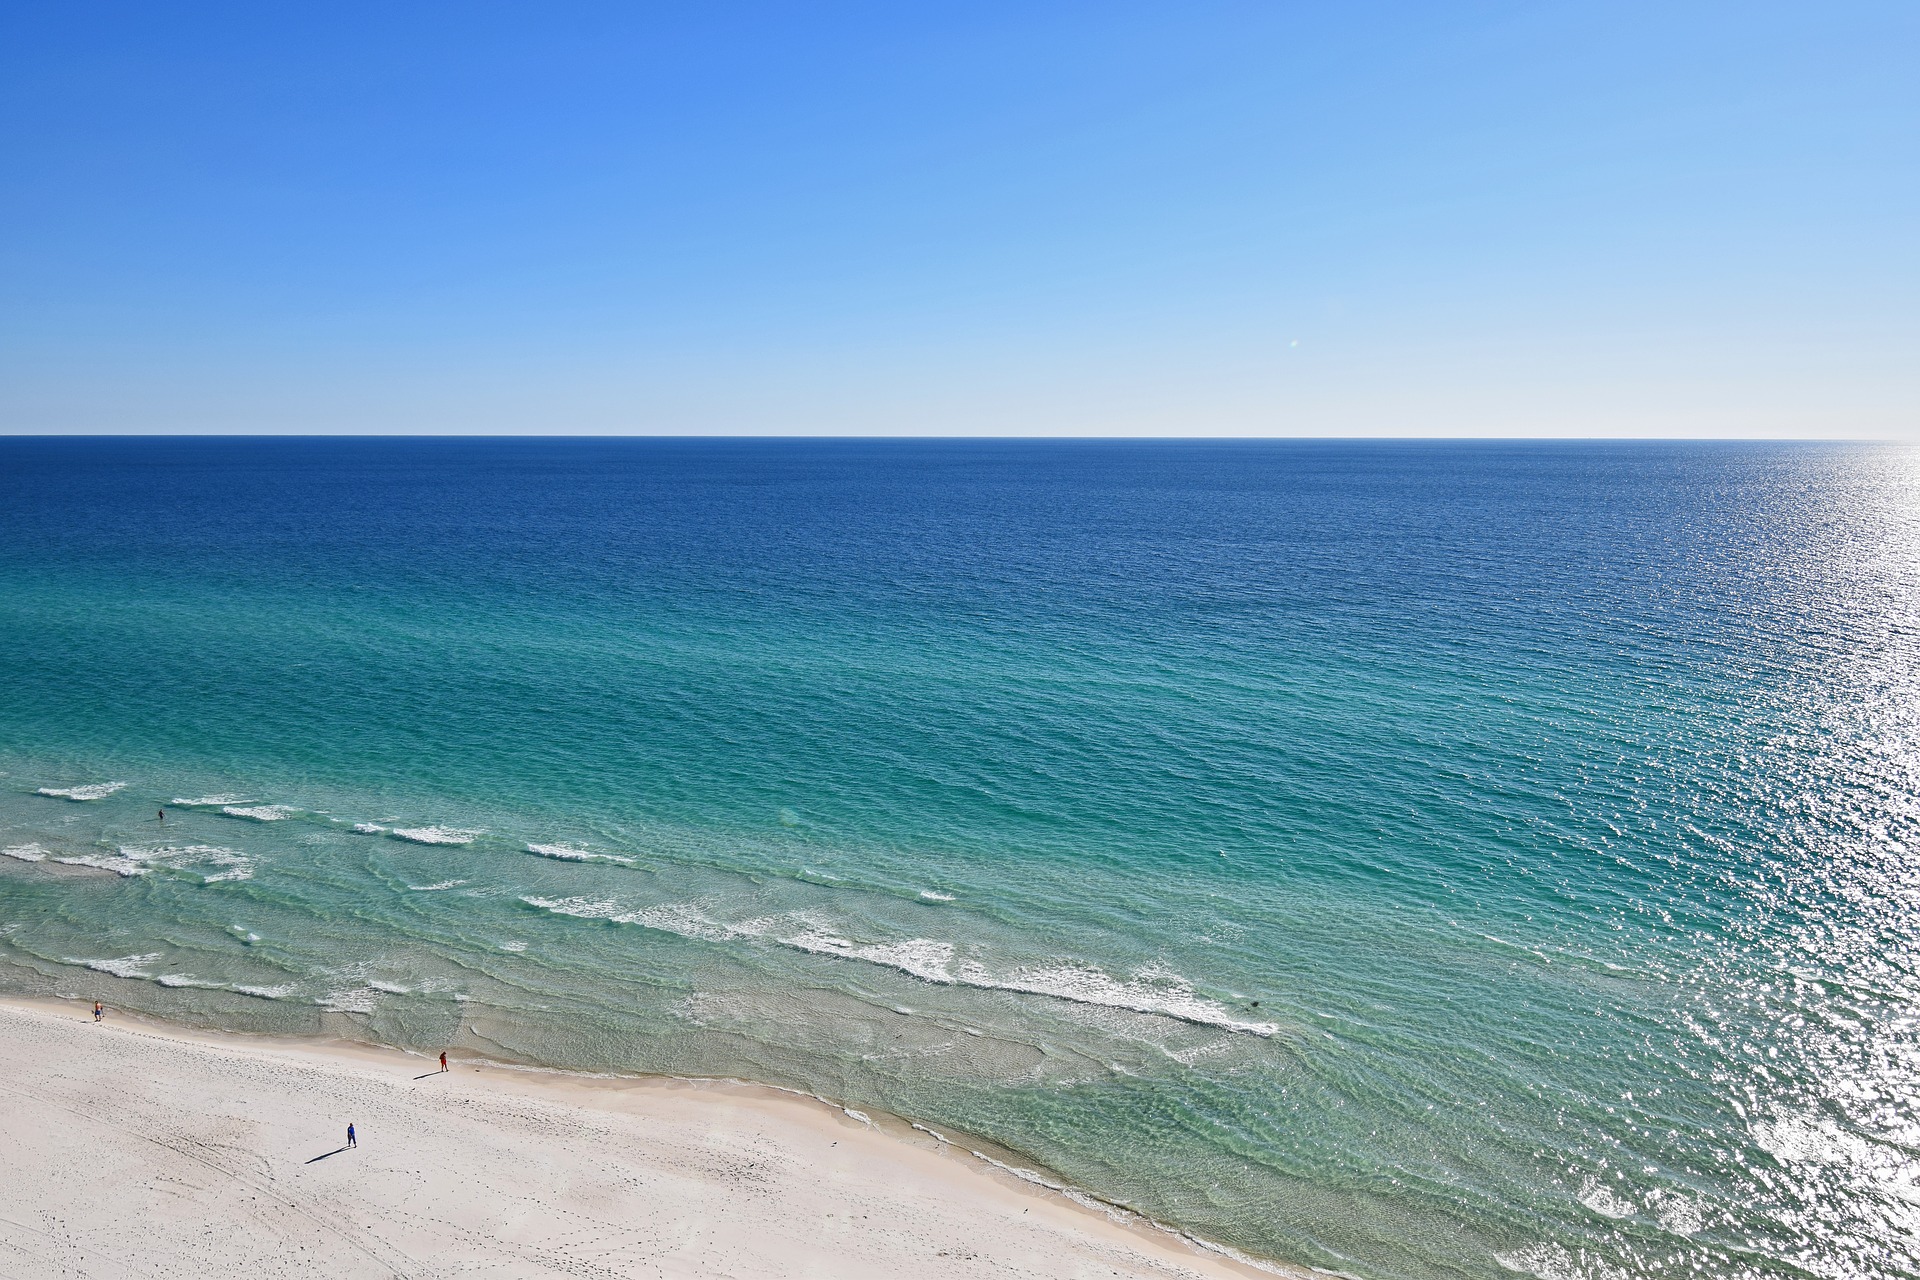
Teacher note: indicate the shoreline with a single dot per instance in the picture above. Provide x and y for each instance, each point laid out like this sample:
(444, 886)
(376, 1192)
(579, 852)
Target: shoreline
(901, 1175)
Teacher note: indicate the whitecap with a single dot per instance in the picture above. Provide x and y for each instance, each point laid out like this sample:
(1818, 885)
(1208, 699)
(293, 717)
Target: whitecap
(391, 988)
(369, 828)
(434, 835)
(566, 853)
(934, 895)
(513, 946)
(93, 791)
(265, 993)
(435, 888)
(206, 802)
(25, 852)
(260, 812)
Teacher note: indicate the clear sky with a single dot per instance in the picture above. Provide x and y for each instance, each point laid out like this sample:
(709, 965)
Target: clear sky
(935, 217)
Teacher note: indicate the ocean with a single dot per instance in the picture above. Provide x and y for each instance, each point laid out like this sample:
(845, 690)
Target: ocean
(1406, 859)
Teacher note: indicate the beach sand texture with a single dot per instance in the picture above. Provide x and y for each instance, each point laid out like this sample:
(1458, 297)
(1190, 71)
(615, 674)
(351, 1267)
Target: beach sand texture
(137, 1150)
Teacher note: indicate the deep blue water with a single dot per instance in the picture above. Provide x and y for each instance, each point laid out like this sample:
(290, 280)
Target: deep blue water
(1554, 802)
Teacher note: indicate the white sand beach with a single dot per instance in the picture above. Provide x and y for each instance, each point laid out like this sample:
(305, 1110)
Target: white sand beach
(133, 1149)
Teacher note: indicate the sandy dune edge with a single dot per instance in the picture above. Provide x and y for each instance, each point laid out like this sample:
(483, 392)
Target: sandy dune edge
(135, 1150)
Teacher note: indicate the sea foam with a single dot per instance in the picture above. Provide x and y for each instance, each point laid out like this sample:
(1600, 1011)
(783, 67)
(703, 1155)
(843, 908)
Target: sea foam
(93, 791)
(123, 966)
(260, 812)
(208, 863)
(434, 835)
(118, 865)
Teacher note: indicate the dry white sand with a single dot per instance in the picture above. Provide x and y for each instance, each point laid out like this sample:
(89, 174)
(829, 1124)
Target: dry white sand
(130, 1149)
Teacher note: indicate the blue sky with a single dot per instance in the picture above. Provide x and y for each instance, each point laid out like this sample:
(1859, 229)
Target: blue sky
(1055, 219)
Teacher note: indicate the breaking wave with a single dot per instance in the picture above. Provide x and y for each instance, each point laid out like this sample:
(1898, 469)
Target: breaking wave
(434, 835)
(1165, 995)
(93, 791)
(260, 812)
(566, 853)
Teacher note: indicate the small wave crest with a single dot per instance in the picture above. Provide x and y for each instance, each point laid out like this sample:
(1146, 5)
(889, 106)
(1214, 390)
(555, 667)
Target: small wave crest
(188, 980)
(206, 802)
(434, 835)
(1158, 994)
(92, 791)
(120, 967)
(260, 812)
(566, 853)
(25, 852)
(139, 967)
(100, 862)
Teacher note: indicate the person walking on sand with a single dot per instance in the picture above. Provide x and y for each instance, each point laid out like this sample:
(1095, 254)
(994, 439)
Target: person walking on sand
(99, 1011)
(443, 1060)
(351, 1140)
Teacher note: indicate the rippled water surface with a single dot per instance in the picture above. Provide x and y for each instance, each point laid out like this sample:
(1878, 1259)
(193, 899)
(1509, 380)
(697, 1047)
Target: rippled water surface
(1413, 860)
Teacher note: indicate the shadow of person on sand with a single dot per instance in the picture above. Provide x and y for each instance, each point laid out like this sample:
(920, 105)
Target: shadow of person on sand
(336, 1151)
(430, 1075)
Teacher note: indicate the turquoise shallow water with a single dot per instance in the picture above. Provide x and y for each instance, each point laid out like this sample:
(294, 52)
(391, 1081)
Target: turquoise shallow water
(1412, 860)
